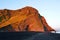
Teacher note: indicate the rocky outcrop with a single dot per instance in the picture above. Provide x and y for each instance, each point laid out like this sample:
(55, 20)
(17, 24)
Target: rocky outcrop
(35, 22)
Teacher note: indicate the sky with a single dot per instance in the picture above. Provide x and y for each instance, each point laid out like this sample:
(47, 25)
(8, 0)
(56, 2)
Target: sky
(50, 9)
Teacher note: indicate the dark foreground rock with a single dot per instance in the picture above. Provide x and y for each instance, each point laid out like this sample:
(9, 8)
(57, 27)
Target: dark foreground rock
(29, 36)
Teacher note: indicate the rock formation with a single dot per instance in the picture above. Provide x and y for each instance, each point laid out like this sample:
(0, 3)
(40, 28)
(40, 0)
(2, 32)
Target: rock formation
(34, 22)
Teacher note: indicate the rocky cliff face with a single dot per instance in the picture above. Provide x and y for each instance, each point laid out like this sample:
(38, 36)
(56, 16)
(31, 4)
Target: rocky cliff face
(32, 23)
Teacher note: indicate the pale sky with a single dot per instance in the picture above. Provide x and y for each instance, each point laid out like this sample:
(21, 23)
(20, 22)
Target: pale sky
(50, 9)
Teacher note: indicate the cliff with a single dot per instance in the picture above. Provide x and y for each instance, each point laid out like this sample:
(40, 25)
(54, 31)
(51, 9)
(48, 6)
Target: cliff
(34, 22)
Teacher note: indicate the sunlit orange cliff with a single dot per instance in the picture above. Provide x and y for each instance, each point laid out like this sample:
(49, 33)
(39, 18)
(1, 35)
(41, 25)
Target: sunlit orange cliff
(25, 19)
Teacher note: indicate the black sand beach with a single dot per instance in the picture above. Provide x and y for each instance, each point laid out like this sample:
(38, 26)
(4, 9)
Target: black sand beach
(29, 36)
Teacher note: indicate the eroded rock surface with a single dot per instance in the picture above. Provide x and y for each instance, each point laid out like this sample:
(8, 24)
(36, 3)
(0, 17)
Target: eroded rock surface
(35, 22)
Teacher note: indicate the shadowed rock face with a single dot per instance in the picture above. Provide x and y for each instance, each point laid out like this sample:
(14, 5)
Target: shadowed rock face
(31, 23)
